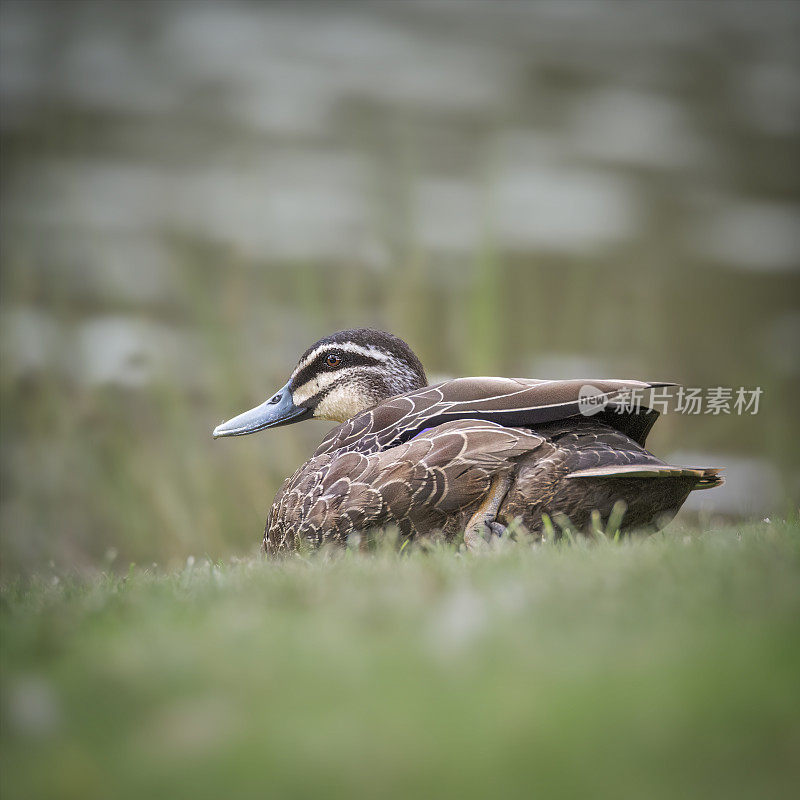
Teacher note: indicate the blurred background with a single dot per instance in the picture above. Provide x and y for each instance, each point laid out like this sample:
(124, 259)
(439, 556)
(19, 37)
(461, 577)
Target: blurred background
(192, 193)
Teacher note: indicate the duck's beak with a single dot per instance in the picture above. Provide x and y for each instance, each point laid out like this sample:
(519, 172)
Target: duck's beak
(278, 410)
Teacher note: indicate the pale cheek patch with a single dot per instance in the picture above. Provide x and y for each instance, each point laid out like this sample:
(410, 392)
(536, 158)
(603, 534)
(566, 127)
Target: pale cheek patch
(348, 387)
(340, 404)
(301, 394)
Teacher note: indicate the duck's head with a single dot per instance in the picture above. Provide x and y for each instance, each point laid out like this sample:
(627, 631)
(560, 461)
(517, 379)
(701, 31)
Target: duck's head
(336, 378)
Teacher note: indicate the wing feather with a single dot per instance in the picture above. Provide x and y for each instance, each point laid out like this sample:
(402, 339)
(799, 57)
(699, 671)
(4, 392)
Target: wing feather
(413, 485)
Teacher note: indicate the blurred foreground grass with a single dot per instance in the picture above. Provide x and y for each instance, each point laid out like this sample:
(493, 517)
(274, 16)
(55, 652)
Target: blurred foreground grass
(657, 667)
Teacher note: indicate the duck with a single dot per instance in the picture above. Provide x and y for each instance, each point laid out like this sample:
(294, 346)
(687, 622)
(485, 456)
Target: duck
(466, 457)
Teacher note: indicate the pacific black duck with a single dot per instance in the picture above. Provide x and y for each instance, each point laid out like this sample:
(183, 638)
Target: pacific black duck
(468, 455)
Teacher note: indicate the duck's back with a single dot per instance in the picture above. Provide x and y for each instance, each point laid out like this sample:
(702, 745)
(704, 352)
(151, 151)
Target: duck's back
(511, 402)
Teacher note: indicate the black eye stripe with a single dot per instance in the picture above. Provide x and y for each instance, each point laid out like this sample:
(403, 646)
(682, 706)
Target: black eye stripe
(319, 365)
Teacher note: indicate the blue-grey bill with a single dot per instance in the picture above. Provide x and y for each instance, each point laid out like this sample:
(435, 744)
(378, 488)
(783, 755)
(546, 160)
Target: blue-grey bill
(278, 410)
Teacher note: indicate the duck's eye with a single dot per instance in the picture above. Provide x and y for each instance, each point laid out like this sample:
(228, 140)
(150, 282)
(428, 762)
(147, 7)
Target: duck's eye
(333, 360)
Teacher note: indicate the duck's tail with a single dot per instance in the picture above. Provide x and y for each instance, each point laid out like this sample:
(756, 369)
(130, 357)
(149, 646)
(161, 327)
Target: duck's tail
(707, 477)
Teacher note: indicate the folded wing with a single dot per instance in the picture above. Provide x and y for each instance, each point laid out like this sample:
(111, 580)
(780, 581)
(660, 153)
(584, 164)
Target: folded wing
(416, 485)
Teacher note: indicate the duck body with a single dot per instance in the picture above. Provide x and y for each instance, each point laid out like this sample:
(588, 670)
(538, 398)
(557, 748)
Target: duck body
(461, 454)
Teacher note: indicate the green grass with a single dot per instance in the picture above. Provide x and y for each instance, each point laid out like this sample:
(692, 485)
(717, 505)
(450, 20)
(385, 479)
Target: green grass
(658, 667)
